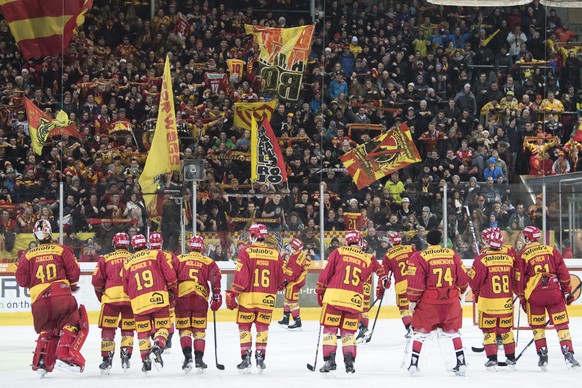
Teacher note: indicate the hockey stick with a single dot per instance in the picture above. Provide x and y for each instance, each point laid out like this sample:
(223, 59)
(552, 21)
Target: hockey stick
(472, 230)
(571, 296)
(339, 337)
(482, 349)
(377, 313)
(218, 366)
(309, 366)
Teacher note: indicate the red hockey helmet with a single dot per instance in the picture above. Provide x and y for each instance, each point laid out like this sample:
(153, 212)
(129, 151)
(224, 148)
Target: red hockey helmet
(139, 242)
(395, 238)
(495, 240)
(121, 240)
(196, 243)
(42, 230)
(485, 233)
(296, 245)
(258, 231)
(531, 234)
(353, 237)
(156, 240)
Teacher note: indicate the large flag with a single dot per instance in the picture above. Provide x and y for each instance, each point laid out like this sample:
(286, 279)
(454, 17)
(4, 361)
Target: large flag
(41, 126)
(381, 156)
(164, 154)
(44, 27)
(283, 57)
(245, 111)
(269, 167)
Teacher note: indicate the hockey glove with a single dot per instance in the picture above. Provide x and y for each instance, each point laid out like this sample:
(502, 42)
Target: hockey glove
(320, 292)
(99, 295)
(523, 303)
(75, 288)
(379, 291)
(216, 302)
(412, 307)
(231, 300)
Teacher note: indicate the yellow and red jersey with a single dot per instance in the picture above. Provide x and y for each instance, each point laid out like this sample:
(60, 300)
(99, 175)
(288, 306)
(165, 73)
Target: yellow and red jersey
(493, 281)
(107, 277)
(258, 276)
(396, 261)
(45, 266)
(344, 277)
(147, 279)
(537, 262)
(196, 275)
(436, 275)
(295, 268)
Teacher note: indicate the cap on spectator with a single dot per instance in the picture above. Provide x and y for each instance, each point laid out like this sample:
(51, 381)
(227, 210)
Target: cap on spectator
(406, 199)
(467, 85)
(492, 161)
(123, 60)
(561, 153)
(353, 201)
(411, 84)
(510, 93)
(121, 110)
(354, 40)
(410, 108)
(334, 240)
(426, 209)
(290, 115)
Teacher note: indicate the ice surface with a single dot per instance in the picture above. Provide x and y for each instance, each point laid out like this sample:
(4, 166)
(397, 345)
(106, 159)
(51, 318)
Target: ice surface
(287, 355)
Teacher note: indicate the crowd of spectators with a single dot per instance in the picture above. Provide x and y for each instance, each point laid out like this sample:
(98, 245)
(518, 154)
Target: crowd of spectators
(488, 94)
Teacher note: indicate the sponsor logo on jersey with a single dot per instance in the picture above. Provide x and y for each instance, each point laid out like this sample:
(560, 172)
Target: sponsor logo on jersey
(264, 317)
(357, 300)
(332, 319)
(269, 300)
(538, 319)
(246, 317)
(143, 326)
(110, 321)
(198, 321)
(157, 298)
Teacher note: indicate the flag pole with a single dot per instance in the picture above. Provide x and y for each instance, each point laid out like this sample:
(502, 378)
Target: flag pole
(61, 209)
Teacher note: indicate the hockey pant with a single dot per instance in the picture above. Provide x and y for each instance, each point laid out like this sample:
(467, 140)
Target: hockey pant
(191, 322)
(111, 317)
(493, 325)
(333, 320)
(553, 302)
(159, 321)
(245, 319)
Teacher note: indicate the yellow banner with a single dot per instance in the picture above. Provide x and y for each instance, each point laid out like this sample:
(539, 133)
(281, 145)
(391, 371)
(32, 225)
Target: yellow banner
(244, 111)
(164, 154)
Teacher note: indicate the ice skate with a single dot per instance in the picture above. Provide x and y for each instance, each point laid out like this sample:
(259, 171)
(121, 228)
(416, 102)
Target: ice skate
(199, 363)
(362, 333)
(543, 359)
(461, 367)
(125, 356)
(349, 362)
(409, 333)
(146, 366)
(491, 364)
(187, 364)
(105, 366)
(67, 367)
(245, 365)
(285, 320)
(329, 365)
(156, 356)
(571, 362)
(413, 368)
(296, 325)
(511, 361)
(260, 360)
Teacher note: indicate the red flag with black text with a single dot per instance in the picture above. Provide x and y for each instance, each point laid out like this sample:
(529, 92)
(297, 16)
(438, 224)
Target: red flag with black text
(269, 164)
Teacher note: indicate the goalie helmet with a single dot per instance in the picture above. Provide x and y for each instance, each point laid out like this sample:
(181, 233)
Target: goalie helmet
(353, 237)
(531, 234)
(42, 230)
(196, 243)
(139, 242)
(258, 231)
(395, 238)
(495, 240)
(156, 240)
(121, 240)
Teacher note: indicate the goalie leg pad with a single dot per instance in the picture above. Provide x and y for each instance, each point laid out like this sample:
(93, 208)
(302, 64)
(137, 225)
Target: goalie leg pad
(450, 344)
(45, 354)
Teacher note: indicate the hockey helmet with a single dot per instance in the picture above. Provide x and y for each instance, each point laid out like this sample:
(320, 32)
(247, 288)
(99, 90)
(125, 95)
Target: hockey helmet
(495, 240)
(139, 242)
(121, 240)
(531, 234)
(353, 237)
(395, 238)
(258, 231)
(196, 243)
(42, 230)
(296, 245)
(156, 240)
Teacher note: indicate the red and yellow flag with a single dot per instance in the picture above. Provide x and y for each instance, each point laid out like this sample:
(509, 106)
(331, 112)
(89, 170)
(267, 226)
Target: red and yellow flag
(381, 156)
(244, 111)
(164, 154)
(44, 27)
(267, 164)
(42, 126)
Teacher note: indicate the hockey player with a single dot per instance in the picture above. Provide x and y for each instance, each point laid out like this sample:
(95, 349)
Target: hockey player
(51, 272)
(115, 305)
(493, 284)
(257, 278)
(340, 291)
(295, 270)
(395, 261)
(150, 281)
(155, 240)
(197, 276)
(544, 285)
(436, 280)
